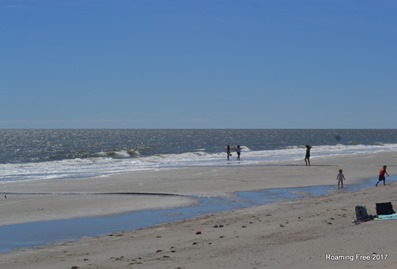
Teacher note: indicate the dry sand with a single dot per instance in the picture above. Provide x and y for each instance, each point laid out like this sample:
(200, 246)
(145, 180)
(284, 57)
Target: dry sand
(297, 234)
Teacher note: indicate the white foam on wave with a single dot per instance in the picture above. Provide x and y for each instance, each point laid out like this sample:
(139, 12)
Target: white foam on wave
(104, 166)
(121, 154)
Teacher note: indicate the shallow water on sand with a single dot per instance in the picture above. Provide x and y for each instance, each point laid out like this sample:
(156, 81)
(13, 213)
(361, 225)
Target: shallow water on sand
(41, 233)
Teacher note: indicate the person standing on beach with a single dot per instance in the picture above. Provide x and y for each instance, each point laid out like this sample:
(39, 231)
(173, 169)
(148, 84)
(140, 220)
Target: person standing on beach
(228, 152)
(340, 177)
(307, 156)
(238, 150)
(382, 173)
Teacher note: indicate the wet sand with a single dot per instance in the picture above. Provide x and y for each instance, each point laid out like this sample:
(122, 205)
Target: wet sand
(294, 234)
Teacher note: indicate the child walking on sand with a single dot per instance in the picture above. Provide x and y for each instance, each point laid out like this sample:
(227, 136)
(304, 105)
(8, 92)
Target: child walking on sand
(340, 177)
(382, 173)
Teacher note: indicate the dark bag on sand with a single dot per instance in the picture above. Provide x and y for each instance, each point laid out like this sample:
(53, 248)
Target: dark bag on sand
(384, 209)
(361, 213)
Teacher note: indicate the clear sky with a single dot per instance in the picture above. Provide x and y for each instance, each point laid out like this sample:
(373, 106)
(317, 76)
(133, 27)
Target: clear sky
(198, 64)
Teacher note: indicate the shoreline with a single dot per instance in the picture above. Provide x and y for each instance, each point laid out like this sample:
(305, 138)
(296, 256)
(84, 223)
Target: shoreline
(314, 219)
(312, 231)
(61, 231)
(185, 182)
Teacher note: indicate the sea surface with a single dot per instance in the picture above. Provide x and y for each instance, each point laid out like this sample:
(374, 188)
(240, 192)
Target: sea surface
(36, 154)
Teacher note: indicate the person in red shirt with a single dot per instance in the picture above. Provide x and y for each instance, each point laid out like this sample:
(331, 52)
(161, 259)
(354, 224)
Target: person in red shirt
(382, 173)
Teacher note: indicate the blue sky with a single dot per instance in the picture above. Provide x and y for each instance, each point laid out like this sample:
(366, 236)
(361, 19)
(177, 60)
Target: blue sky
(198, 64)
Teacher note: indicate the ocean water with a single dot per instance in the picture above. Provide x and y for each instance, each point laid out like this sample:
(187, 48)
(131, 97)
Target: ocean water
(36, 154)
(67, 154)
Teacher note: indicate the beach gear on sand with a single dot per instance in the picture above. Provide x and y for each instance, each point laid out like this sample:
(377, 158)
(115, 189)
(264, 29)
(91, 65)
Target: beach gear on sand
(361, 213)
(387, 217)
(384, 209)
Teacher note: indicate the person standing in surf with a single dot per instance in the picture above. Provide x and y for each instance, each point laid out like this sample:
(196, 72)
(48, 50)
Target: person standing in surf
(307, 156)
(340, 177)
(238, 150)
(382, 177)
(228, 152)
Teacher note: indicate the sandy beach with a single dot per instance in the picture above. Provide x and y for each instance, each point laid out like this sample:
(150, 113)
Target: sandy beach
(310, 232)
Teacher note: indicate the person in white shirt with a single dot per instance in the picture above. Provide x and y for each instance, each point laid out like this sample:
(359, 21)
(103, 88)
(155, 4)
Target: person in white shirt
(340, 177)
(238, 150)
